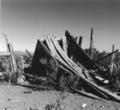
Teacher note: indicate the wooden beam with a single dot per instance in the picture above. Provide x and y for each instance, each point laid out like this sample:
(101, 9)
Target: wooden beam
(91, 44)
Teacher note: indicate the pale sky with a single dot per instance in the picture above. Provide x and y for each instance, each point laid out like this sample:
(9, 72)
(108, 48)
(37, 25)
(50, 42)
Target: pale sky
(25, 21)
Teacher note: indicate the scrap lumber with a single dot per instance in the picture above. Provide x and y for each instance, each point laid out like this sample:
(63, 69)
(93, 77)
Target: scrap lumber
(61, 53)
(65, 58)
(102, 91)
(78, 53)
(41, 52)
(82, 58)
(49, 53)
(55, 54)
(71, 65)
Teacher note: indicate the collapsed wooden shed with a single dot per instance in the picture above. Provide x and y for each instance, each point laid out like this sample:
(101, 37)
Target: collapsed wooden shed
(49, 59)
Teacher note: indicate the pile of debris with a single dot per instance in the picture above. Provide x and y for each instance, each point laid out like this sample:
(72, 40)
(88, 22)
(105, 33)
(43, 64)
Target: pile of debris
(63, 65)
(60, 64)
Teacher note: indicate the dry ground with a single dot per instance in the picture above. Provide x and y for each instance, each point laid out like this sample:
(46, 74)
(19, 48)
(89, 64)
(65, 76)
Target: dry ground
(14, 97)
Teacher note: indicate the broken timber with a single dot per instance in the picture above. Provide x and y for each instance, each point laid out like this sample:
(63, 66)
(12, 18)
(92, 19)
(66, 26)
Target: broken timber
(91, 44)
(42, 52)
(98, 89)
(74, 49)
(42, 47)
(80, 56)
(65, 61)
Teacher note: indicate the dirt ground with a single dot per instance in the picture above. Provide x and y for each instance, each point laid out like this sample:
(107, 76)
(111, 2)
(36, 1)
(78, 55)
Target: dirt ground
(13, 97)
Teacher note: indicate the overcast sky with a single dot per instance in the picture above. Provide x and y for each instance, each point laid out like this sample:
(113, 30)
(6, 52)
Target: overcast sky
(25, 21)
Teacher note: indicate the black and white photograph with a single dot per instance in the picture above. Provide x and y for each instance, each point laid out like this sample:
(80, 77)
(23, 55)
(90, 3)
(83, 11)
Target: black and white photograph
(59, 55)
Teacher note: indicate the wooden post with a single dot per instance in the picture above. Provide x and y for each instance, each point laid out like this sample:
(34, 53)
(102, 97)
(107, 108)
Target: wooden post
(112, 61)
(12, 58)
(91, 44)
(11, 51)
